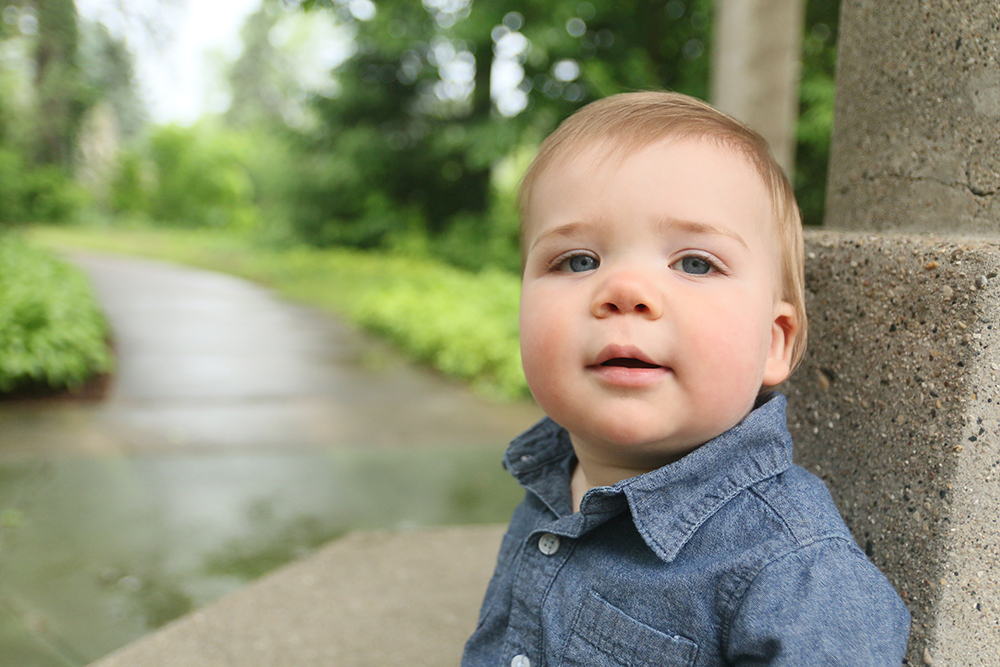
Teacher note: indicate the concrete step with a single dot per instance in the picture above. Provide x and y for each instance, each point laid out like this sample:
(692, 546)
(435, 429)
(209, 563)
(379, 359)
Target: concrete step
(371, 599)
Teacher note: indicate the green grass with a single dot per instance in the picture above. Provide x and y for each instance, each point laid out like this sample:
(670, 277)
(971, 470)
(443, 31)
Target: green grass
(461, 323)
(52, 334)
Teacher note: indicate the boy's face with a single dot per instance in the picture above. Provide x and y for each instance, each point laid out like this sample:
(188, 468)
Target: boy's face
(650, 315)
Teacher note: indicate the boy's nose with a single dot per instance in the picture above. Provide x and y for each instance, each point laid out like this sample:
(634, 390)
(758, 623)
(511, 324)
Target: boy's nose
(627, 293)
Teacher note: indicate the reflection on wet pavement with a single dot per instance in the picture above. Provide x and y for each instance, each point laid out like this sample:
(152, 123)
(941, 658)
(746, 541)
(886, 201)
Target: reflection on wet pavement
(98, 551)
(239, 433)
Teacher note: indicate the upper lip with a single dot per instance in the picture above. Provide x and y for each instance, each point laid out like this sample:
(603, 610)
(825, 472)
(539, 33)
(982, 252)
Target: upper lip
(623, 352)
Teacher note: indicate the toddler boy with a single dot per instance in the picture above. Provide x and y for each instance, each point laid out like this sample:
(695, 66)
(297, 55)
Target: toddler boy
(664, 522)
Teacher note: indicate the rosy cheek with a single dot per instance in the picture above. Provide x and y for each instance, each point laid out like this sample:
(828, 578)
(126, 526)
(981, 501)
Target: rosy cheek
(543, 347)
(535, 343)
(542, 376)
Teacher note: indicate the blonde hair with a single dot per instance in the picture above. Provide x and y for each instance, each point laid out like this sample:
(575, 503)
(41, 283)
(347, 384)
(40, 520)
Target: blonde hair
(631, 121)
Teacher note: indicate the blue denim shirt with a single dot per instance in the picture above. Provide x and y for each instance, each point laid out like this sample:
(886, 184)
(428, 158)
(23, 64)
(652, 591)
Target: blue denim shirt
(730, 556)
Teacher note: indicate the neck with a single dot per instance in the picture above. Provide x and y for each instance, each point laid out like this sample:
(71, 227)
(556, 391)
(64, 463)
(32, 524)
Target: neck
(591, 474)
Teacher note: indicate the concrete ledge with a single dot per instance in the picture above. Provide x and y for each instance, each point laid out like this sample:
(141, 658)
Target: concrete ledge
(371, 599)
(896, 407)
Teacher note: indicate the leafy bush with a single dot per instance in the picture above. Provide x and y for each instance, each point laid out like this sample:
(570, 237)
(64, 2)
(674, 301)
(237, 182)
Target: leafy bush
(42, 194)
(187, 177)
(463, 324)
(131, 185)
(11, 196)
(51, 331)
(50, 196)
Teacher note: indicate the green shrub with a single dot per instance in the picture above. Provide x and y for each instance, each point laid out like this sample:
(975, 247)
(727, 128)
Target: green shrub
(51, 331)
(40, 194)
(11, 187)
(131, 186)
(462, 324)
(50, 196)
(187, 177)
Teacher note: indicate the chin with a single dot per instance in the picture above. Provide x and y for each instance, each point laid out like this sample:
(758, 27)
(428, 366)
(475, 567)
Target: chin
(649, 454)
(641, 438)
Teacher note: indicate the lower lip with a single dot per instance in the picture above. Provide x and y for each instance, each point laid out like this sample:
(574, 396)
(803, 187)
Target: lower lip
(621, 376)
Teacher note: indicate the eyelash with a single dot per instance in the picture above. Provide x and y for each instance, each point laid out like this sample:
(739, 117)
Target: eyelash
(714, 264)
(556, 264)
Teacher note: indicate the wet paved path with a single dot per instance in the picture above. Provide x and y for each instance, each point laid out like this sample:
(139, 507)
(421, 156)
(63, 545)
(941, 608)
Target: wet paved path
(239, 432)
(211, 361)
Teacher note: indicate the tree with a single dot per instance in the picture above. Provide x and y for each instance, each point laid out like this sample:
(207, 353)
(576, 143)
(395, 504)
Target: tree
(256, 78)
(108, 72)
(60, 93)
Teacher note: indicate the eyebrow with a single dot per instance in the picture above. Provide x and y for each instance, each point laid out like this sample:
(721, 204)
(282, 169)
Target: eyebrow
(703, 228)
(690, 226)
(569, 229)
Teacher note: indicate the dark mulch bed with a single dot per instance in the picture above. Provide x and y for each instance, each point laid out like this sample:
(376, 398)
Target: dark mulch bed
(94, 389)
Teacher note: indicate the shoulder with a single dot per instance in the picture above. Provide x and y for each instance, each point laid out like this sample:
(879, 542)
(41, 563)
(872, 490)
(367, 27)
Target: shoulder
(802, 504)
(820, 603)
(801, 571)
(771, 518)
(784, 523)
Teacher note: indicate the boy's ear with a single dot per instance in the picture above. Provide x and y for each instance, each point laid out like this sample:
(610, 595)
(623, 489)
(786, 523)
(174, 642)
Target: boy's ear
(779, 357)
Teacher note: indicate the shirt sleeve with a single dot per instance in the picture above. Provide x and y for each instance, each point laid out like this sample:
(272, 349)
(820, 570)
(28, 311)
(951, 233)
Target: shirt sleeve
(823, 604)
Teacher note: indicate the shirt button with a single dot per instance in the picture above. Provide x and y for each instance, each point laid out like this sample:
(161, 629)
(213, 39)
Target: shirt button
(520, 661)
(548, 544)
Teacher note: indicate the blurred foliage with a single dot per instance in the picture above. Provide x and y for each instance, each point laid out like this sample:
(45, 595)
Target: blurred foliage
(52, 334)
(396, 124)
(194, 176)
(40, 194)
(50, 77)
(407, 146)
(816, 98)
(200, 179)
(108, 72)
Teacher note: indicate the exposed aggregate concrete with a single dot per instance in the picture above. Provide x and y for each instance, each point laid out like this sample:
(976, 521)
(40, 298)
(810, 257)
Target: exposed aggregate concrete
(917, 117)
(897, 407)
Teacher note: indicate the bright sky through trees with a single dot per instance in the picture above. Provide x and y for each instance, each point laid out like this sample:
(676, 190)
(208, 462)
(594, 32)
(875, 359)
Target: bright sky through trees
(179, 78)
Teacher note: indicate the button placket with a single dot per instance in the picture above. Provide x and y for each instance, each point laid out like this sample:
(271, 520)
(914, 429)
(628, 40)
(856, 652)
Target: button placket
(532, 580)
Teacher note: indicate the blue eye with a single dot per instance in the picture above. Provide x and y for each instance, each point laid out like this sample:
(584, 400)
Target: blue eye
(580, 263)
(696, 265)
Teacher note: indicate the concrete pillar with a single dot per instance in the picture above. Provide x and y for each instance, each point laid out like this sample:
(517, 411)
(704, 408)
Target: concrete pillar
(756, 58)
(897, 405)
(917, 121)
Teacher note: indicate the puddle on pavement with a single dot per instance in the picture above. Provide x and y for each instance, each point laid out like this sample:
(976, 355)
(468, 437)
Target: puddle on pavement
(96, 552)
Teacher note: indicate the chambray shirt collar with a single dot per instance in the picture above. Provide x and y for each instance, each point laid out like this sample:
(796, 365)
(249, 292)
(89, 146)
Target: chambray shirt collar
(667, 504)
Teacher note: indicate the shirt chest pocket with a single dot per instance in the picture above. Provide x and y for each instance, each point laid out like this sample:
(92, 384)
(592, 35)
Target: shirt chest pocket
(604, 636)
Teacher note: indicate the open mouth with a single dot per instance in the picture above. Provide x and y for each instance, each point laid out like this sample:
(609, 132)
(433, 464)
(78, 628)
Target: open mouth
(629, 362)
